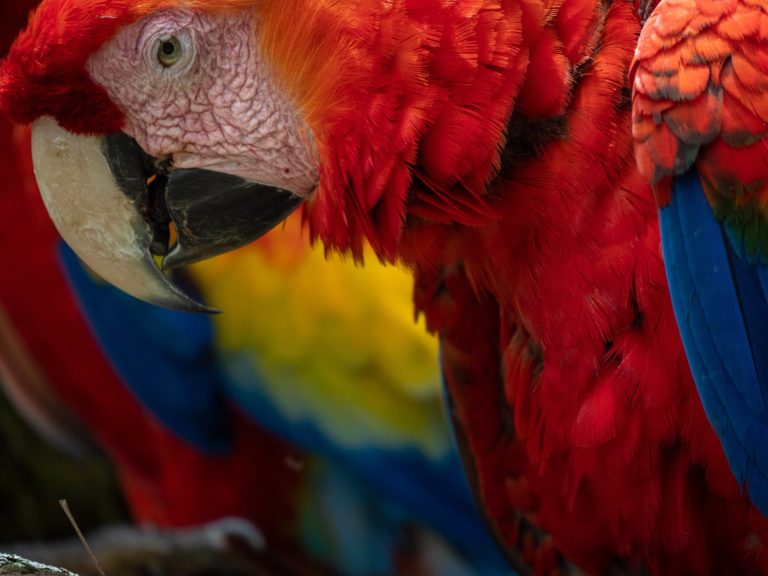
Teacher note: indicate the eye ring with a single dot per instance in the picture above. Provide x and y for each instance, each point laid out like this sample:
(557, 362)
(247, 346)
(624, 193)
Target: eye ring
(169, 51)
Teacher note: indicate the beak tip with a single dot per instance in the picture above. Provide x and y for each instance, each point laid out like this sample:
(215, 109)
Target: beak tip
(97, 219)
(188, 304)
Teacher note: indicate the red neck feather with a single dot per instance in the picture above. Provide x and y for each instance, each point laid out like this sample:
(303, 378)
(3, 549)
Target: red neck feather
(410, 101)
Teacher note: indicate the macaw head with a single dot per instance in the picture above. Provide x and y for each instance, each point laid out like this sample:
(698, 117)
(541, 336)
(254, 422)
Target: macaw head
(169, 131)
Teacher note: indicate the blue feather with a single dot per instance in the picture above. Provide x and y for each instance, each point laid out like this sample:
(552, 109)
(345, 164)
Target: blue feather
(163, 357)
(751, 293)
(722, 312)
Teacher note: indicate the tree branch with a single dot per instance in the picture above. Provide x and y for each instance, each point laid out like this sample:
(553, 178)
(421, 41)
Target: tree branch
(12, 565)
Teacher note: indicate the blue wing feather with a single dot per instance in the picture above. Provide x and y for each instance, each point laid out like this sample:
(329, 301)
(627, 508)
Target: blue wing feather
(752, 296)
(721, 310)
(163, 357)
(709, 259)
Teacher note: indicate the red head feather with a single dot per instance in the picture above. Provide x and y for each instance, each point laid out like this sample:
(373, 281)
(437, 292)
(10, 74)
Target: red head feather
(45, 74)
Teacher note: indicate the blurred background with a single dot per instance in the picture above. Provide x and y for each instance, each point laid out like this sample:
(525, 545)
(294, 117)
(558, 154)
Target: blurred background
(302, 431)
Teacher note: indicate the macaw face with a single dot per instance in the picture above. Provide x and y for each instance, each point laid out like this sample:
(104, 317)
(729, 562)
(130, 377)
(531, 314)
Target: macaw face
(214, 119)
(195, 90)
(211, 155)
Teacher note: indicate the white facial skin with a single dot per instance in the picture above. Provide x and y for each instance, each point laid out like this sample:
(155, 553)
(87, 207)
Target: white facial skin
(217, 107)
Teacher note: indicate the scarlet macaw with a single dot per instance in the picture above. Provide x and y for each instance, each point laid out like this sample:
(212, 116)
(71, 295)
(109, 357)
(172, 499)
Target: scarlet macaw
(335, 463)
(488, 144)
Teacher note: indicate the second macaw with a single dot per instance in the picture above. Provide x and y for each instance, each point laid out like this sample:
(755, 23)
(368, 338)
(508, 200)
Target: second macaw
(486, 143)
(700, 121)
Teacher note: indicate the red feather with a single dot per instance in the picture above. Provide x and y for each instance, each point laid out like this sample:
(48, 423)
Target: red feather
(592, 431)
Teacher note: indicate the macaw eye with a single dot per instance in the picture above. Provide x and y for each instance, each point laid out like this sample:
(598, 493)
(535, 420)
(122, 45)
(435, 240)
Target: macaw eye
(169, 51)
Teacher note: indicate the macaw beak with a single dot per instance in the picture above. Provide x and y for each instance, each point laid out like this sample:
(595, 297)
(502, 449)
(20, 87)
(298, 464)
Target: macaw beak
(115, 205)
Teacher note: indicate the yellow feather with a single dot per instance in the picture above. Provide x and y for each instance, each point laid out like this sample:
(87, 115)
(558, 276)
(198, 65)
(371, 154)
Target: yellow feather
(336, 344)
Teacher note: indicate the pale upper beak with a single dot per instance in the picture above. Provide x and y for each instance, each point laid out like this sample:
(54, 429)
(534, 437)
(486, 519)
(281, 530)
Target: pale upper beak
(114, 206)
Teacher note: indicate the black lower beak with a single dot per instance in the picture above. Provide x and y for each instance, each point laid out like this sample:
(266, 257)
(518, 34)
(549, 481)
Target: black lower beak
(117, 208)
(215, 213)
(211, 212)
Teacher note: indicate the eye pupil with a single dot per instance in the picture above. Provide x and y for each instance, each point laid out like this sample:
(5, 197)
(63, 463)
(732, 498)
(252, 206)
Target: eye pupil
(169, 51)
